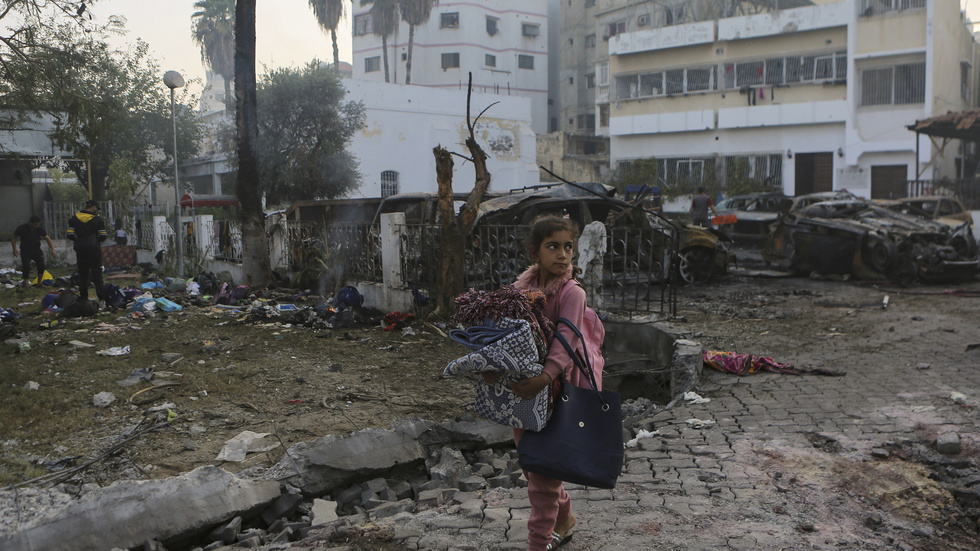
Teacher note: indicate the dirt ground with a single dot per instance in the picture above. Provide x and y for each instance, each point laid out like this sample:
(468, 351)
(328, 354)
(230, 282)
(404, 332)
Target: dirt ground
(237, 374)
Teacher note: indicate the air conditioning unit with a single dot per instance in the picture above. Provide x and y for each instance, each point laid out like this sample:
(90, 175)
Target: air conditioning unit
(605, 38)
(643, 20)
(531, 30)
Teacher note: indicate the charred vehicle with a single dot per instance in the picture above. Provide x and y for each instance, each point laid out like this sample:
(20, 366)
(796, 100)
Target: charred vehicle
(754, 213)
(867, 241)
(640, 240)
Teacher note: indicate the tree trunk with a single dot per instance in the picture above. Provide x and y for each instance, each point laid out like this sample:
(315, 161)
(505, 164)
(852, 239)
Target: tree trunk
(336, 50)
(384, 49)
(227, 81)
(408, 62)
(255, 245)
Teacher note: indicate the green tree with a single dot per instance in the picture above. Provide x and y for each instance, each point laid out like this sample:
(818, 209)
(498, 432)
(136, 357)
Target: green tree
(105, 104)
(256, 265)
(328, 14)
(415, 13)
(384, 20)
(214, 31)
(304, 129)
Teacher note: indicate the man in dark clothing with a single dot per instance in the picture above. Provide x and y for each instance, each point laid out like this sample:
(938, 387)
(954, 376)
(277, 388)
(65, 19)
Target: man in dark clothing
(87, 230)
(699, 209)
(30, 235)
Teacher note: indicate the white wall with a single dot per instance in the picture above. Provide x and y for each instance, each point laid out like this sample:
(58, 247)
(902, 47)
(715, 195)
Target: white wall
(405, 123)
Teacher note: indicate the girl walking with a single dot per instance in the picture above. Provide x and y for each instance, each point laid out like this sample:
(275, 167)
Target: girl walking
(551, 245)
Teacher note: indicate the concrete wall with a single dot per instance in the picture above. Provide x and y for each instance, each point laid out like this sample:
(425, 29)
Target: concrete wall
(404, 124)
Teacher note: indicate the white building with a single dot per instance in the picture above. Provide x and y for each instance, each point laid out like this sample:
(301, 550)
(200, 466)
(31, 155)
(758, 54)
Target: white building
(404, 124)
(502, 43)
(812, 98)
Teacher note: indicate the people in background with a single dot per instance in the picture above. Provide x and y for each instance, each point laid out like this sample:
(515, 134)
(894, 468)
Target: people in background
(30, 235)
(86, 229)
(121, 238)
(700, 205)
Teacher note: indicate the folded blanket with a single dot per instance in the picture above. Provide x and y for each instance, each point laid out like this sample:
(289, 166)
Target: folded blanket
(513, 356)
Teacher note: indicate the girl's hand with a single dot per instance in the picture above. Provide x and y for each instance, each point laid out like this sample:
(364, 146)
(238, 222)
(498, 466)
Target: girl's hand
(491, 377)
(529, 388)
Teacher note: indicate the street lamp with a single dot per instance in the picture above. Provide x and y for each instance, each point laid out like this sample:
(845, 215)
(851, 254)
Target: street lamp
(173, 79)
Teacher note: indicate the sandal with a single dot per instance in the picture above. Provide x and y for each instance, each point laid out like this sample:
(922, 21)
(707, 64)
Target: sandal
(557, 540)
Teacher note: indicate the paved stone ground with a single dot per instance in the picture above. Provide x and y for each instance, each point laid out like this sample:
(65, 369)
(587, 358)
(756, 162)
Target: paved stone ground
(780, 461)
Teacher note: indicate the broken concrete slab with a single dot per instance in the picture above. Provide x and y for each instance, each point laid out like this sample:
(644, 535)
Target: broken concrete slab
(949, 444)
(323, 512)
(128, 513)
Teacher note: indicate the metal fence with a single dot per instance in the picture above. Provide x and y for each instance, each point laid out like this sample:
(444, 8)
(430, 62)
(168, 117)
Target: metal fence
(878, 7)
(57, 215)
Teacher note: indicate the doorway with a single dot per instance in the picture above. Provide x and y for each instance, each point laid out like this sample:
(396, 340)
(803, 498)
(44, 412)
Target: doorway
(889, 181)
(814, 173)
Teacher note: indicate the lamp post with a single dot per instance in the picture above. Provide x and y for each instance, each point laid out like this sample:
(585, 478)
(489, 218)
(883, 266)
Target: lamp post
(173, 80)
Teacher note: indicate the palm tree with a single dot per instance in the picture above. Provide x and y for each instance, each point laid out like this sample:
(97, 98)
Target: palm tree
(415, 13)
(328, 14)
(214, 30)
(384, 20)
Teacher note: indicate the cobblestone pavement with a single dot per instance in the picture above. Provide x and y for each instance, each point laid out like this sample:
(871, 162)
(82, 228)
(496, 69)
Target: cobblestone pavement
(777, 461)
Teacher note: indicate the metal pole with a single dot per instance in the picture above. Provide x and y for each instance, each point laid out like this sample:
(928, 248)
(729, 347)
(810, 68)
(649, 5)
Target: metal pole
(179, 230)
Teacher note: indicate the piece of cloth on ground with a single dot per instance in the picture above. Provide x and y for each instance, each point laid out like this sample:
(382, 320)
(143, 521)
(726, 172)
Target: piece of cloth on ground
(513, 357)
(747, 364)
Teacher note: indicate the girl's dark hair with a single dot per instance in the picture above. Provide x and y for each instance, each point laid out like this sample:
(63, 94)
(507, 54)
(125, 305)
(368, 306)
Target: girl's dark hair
(545, 225)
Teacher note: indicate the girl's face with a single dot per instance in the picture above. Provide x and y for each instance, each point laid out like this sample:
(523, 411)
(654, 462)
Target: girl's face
(554, 255)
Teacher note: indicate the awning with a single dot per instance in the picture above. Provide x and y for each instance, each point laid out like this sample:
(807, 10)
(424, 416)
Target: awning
(189, 200)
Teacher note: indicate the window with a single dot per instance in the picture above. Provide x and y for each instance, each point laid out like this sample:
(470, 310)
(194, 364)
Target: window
(965, 80)
(878, 7)
(450, 61)
(590, 80)
(690, 171)
(616, 28)
(604, 73)
(590, 3)
(525, 62)
(590, 41)
(899, 85)
(604, 115)
(362, 24)
(372, 64)
(669, 82)
(586, 122)
(389, 183)
(529, 29)
(449, 20)
(491, 60)
(493, 26)
(813, 68)
(571, 80)
(643, 20)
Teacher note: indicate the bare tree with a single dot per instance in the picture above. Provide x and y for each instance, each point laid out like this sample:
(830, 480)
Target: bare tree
(456, 228)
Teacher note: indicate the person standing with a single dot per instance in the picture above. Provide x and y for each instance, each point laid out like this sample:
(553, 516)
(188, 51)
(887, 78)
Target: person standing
(86, 229)
(30, 235)
(700, 205)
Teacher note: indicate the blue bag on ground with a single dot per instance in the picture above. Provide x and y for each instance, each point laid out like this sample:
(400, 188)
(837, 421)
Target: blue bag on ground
(168, 305)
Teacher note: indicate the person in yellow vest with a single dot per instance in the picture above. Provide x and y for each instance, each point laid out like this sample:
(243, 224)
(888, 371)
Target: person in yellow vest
(30, 235)
(86, 229)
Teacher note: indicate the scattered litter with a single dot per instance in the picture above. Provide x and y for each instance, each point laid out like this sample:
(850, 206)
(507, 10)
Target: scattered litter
(24, 346)
(695, 398)
(114, 351)
(32, 385)
(747, 364)
(135, 376)
(103, 399)
(643, 433)
(80, 344)
(923, 366)
(700, 423)
(244, 443)
(161, 407)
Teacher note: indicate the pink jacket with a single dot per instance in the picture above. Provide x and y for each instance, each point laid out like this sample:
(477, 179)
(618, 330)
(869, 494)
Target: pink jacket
(563, 301)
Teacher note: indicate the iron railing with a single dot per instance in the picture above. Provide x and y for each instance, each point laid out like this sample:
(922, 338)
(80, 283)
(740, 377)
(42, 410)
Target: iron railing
(966, 190)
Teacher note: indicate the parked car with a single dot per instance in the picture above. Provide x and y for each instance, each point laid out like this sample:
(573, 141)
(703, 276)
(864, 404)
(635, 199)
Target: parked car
(948, 210)
(754, 213)
(867, 241)
(803, 201)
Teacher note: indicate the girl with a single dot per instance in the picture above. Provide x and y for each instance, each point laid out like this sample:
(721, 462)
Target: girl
(551, 244)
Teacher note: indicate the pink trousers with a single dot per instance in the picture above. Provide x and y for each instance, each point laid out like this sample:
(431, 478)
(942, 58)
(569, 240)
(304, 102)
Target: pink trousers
(549, 504)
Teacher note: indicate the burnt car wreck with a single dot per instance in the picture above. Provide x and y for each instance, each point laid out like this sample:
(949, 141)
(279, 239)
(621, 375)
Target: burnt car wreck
(858, 238)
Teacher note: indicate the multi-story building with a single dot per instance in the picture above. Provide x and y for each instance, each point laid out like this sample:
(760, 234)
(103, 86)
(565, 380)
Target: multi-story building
(801, 95)
(502, 43)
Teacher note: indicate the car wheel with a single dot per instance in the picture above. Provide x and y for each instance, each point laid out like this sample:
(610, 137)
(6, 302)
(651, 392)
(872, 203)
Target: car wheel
(697, 266)
(879, 253)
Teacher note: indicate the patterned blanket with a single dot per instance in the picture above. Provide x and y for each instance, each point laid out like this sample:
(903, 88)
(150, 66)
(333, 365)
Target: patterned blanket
(514, 357)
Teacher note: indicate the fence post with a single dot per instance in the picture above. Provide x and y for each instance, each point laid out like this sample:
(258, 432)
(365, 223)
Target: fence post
(204, 225)
(159, 240)
(391, 266)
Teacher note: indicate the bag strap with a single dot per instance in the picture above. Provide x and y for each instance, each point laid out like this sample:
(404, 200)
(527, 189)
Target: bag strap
(581, 361)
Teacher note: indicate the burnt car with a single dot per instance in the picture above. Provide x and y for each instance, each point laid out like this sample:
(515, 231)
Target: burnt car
(867, 241)
(803, 201)
(754, 213)
(948, 210)
(702, 254)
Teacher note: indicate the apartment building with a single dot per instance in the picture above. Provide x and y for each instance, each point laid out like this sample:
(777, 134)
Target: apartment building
(503, 43)
(800, 95)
